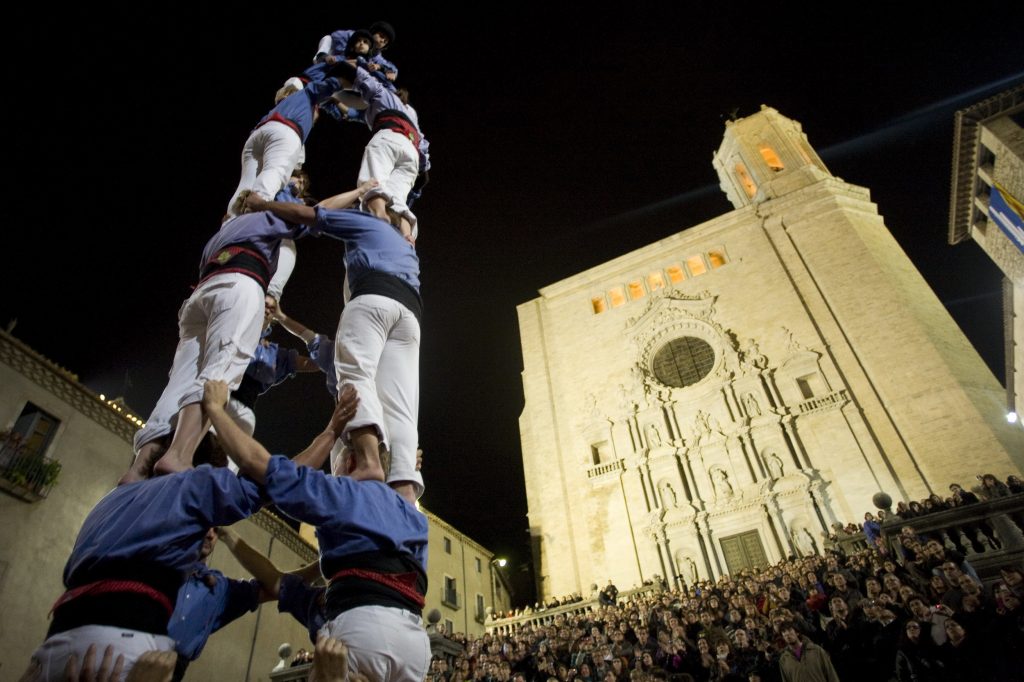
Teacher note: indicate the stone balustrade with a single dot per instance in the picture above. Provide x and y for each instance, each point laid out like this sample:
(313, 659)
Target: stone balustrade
(990, 534)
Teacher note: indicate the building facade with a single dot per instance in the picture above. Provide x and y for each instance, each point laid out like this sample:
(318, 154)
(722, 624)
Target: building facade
(719, 398)
(63, 448)
(987, 205)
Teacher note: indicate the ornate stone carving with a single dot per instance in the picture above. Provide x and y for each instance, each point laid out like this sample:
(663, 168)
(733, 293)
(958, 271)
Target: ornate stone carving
(751, 357)
(793, 345)
(751, 406)
(653, 436)
(720, 482)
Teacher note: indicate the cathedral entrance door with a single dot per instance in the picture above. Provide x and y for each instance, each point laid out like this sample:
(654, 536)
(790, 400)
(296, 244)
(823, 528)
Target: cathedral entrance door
(743, 551)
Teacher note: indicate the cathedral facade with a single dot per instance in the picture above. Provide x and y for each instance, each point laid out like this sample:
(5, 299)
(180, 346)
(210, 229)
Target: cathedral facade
(718, 399)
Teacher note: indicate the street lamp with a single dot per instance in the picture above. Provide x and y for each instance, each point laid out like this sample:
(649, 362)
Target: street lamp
(500, 563)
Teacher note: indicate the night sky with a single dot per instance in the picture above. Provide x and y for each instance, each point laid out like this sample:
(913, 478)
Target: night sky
(559, 141)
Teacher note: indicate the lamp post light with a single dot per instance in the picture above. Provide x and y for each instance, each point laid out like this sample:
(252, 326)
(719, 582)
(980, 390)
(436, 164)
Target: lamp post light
(500, 562)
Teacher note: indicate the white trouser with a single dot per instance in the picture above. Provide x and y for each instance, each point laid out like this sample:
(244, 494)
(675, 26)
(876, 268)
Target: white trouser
(268, 159)
(384, 643)
(377, 351)
(218, 329)
(53, 655)
(392, 159)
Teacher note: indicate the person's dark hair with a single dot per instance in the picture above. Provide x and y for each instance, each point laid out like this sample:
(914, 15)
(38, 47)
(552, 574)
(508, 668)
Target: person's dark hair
(385, 28)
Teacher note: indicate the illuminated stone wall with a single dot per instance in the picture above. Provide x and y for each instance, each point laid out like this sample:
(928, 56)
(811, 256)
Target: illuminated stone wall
(726, 394)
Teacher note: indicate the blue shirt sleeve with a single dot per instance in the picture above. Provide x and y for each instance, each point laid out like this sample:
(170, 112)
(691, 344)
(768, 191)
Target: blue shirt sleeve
(219, 497)
(242, 596)
(302, 602)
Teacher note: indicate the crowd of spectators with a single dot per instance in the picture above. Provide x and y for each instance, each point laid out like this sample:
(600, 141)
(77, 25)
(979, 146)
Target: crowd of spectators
(917, 614)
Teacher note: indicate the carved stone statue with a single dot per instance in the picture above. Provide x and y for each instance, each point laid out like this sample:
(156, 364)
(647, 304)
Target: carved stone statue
(804, 541)
(626, 402)
(689, 570)
(775, 469)
(653, 436)
(751, 406)
(751, 356)
(668, 496)
(720, 481)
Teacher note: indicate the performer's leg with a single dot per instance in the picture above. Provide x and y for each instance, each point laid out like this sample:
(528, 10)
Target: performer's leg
(398, 385)
(378, 162)
(228, 316)
(250, 167)
(362, 333)
(279, 153)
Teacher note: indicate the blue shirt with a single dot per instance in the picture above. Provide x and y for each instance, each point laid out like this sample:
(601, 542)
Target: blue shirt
(371, 245)
(350, 516)
(298, 106)
(161, 520)
(270, 365)
(321, 352)
(379, 98)
(304, 602)
(201, 610)
(263, 230)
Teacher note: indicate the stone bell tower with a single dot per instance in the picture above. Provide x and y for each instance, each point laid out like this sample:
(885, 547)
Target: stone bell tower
(719, 398)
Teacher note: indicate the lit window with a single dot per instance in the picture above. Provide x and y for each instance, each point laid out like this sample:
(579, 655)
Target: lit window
(599, 303)
(748, 183)
(656, 280)
(636, 289)
(771, 158)
(716, 258)
(617, 296)
(676, 274)
(696, 266)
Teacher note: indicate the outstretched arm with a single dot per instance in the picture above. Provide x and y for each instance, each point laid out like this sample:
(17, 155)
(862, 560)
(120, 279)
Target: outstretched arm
(296, 214)
(261, 568)
(293, 326)
(316, 454)
(346, 199)
(251, 457)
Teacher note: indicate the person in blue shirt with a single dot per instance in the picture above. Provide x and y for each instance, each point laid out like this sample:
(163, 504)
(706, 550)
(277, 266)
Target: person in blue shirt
(397, 153)
(373, 546)
(275, 145)
(219, 328)
(319, 346)
(131, 558)
(378, 338)
(208, 601)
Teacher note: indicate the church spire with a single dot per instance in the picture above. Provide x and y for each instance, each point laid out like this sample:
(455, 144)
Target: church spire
(764, 156)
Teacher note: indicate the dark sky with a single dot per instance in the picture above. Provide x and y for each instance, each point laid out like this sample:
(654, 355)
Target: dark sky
(559, 141)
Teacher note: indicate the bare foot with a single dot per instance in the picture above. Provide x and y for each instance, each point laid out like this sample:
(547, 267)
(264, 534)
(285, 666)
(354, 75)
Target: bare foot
(170, 464)
(142, 467)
